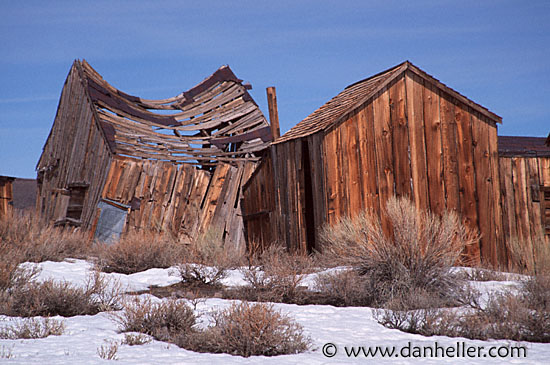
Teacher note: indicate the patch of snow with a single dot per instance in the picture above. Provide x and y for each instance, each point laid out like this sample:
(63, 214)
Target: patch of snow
(351, 326)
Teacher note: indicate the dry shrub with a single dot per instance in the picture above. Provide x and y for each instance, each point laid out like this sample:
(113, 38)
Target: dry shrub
(519, 317)
(207, 260)
(136, 340)
(342, 289)
(529, 257)
(139, 251)
(416, 257)
(243, 329)
(108, 351)
(276, 277)
(481, 274)
(28, 298)
(25, 237)
(253, 329)
(33, 328)
(165, 321)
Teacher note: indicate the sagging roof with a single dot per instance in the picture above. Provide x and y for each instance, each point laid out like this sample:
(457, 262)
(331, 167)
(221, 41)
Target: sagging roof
(217, 120)
(355, 95)
(510, 146)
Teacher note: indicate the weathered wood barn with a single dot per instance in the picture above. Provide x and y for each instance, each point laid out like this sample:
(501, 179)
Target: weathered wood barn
(113, 161)
(399, 132)
(525, 184)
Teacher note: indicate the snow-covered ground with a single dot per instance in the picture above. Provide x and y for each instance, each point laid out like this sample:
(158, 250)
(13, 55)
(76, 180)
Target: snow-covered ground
(352, 326)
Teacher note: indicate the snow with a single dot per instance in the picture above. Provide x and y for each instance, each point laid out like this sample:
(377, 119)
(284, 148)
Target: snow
(351, 326)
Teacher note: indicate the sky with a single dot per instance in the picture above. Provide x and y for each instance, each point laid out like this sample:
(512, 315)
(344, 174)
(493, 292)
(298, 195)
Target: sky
(494, 52)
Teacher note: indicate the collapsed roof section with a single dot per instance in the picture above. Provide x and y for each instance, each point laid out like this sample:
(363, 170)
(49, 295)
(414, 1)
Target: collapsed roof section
(215, 121)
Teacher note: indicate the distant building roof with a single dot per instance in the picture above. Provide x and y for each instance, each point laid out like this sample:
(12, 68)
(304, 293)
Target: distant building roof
(523, 146)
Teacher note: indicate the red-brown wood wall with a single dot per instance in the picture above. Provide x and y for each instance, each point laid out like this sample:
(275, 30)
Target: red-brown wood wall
(410, 139)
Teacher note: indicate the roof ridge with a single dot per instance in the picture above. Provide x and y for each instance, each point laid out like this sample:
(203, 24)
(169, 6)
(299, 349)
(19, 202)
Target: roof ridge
(347, 101)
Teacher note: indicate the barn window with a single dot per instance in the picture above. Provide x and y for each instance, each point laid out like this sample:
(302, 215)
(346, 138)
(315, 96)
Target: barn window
(77, 194)
(545, 206)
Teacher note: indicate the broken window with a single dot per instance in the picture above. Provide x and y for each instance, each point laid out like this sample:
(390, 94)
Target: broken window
(111, 222)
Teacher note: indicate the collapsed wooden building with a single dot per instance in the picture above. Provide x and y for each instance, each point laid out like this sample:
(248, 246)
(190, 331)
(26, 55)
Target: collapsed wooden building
(204, 161)
(401, 132)
(114, 162)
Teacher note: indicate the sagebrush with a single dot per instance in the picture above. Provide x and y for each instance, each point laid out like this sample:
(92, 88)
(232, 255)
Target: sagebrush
(207, 260)
(243, 329)
(247, 329)
(523, 316)
(29, 328)
(138, 251)
(26, 297)
(276, 276)
(412, 256)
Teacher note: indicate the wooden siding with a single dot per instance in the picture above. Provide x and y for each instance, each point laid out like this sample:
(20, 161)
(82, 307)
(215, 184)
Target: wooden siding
(75, 153)
(259, 207)
(410, 139)
(525, 191)
(6, 196)
(181, 199)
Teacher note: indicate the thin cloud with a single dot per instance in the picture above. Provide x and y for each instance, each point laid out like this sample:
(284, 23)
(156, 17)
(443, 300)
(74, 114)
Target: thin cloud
(27, 99)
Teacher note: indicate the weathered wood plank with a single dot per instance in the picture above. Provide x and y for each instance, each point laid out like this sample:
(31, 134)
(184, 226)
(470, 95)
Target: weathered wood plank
(384, 154)
(434, 152)
(400, 138)
(466, 176)
(415, 118)
(449, 145)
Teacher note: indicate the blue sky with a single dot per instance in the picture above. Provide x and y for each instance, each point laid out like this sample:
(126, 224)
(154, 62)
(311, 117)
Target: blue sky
(497, 53)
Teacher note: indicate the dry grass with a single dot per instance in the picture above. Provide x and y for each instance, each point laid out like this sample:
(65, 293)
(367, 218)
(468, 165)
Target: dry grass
(276, 277)
(108, 351)
(481, 274)
(207, 260)
(253, 329)
(139, 251)
(33, 328)
(519, 317)
(25, 237)
(529, 258)
(28, 298)
(415, 258)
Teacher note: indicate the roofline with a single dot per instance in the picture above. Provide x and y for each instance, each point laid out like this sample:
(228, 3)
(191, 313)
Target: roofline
(407, 65)
(481, 109)
(84, 82)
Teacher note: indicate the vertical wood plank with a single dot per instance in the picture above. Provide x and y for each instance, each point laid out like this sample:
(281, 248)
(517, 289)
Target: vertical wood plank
(434, 153)
(450, 163)
(415, 118)
(367, 150)
(384, 155)
(466, 175)
(400, 138)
